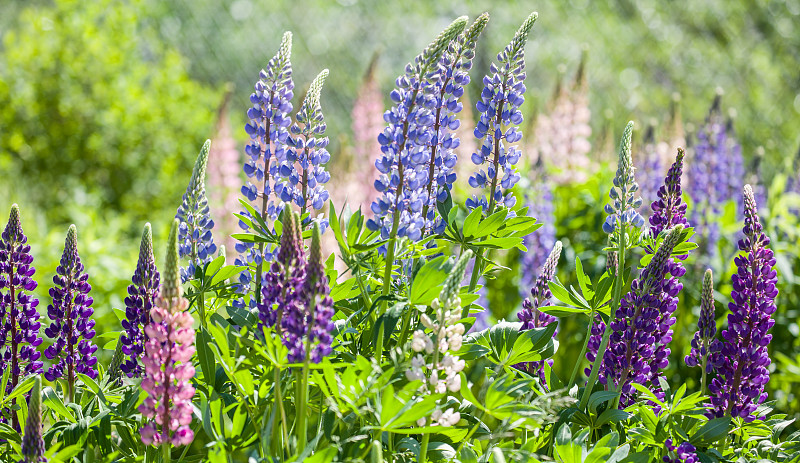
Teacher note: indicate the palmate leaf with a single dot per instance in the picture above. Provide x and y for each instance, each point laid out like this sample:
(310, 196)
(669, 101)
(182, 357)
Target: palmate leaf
(504, 344)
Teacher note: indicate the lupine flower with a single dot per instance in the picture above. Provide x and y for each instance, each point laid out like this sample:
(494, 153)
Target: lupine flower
(168, 360)
(502, 95)
(651, 172)
(624, 202)
(706, 329)
(72, 327)
(318, 302)
(445, 338)
(632, 355)
(19, 320)
(303, 171)
(196, 241)
(530, 315)
(683, 453)
(453, 73)
(269, 133)
(562, 134)
(224, 170)
(539, 199)
(404, 143)
(142, 293)
(32, 441)
(741, 359)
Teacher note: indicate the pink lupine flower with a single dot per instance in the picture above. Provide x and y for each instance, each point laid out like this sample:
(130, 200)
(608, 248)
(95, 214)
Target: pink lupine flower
(224, 167)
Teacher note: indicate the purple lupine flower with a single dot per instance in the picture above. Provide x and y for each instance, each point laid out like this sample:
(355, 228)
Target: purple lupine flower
(624, 200)
(19, 325)
(683, 453)
(141, 298)
(503, 93)
(269, 133)
(72, 327)
(651, 172)
(303, 171)
(454, 67)
(632, 355)
(404, 143)
(194, 235)
(32, 441)
(706, 330)
(530, 315)
(318, 302)
(168, 360)
(539, 199)
(741, 358)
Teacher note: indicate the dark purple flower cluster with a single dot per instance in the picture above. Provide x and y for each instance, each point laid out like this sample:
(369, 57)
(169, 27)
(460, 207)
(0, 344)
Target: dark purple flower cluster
(296, 296)
(141, 298)
(454, 67)
(683, 453)
(651, 172)
(404, 163)
(194, 235)
(539, 199)
(502, 95)
(19, 320)
(624, 199)
(706, 328)
(72, 327)
(741, 358)
(269, 134)
(530, 315)
(304, 172)
(632, 354)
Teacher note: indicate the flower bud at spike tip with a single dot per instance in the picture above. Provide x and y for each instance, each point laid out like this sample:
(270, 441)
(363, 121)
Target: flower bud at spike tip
(32, 441)
(171, 286)
(706, 326)
(196, 242)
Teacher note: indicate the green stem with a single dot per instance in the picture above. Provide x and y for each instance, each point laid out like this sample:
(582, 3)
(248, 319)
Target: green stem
(201, 309)
(583, 352)
(473, 280)
(279, 402)
(423, 452)
(703, 382)
(166, 452)
(611, 319)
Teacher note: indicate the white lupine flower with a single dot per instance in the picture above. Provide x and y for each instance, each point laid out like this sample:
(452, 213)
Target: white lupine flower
(454, 383)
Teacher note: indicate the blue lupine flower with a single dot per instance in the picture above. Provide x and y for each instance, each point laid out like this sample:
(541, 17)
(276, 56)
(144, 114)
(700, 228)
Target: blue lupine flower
(303, 171)
(194, 235)
(502, 95)
(405, 143)
(624, 202)
(453, 74)
(539, 199)
(269, 134)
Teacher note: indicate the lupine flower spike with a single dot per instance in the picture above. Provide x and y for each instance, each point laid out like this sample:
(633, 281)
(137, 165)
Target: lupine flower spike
(530, 315)
(32, 441)
(502, 95)
(539, 199)
(741, 358)
(19, 320)
(304, 171)
(685, 452)
(404, 143)
(196, 240)
(141, 298)
(453, 74)
(224, 169)
(269, 134)
(624, 200)
(72, 328)
(632, 354)
(319, 302)
(167, 360)
(706, 330)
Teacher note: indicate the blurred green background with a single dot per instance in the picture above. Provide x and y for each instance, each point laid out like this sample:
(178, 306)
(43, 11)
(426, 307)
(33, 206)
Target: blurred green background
(104, 105)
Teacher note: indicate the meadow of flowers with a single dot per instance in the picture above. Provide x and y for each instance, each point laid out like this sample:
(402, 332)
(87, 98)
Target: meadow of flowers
(290, 322)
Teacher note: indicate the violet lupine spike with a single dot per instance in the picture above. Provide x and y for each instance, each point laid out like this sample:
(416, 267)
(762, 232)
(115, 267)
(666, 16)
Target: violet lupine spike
(168, 360)
(194, 236)
(319, 302)
(530, 315)
(142, 293)
(503, 93)
(72, 327)
(741, 358)
(269, 133)
(539, 199)
(404, 143)
(454, 67)
(303, 173)
(19, 325)
(685, 452)
(706, 329)
(632, 355)
(32, 442)
(651, 173)
(624, 200)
